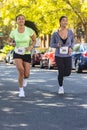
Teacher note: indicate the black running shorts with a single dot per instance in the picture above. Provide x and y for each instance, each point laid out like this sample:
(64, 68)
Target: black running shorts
(26, 57)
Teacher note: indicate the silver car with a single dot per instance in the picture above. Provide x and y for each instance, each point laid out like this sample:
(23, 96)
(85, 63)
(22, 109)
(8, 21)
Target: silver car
(9, 57)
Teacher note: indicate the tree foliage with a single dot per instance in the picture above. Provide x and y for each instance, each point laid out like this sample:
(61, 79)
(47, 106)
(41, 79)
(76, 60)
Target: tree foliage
(45, 13)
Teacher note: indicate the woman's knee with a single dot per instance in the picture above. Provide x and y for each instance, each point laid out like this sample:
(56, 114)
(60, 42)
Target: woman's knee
(67, 73)
(26, 69)
(26, 75)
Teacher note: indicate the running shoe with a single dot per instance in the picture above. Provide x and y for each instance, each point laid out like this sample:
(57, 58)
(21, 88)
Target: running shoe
(21, 93)
(61, 90)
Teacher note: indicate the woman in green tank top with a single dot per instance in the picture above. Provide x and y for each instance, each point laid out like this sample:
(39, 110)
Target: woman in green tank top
(22, 36)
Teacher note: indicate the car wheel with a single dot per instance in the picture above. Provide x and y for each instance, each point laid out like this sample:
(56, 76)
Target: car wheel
(49, 65)
(5, 60)
(32, 63)
(9, 60)
(77, 67)
(41, 64)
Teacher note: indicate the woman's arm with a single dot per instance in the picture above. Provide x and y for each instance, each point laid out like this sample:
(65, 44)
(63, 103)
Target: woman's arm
(53, 42)
(33, 38)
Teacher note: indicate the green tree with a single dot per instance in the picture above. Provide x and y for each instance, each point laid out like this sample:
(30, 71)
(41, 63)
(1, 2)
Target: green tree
(45, 13)
(79, 7)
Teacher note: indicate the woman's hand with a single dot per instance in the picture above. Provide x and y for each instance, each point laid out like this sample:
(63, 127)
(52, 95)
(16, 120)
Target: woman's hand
(12, 44)
(70, 51)
(29, 48)
(59, 44)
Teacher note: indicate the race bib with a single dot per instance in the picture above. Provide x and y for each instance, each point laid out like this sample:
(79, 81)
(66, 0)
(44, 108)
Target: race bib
(63, 50)
(20, 50)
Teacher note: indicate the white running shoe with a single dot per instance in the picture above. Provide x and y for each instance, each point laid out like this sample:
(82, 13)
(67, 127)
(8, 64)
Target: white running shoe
(24, 82)
(61, 90)
(21, 93)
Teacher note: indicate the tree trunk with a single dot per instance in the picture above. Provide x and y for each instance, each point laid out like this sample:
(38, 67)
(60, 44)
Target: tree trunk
(86, 34)
(85, 28)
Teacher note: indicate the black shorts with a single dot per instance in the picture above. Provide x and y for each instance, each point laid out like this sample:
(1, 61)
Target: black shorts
(26, 57)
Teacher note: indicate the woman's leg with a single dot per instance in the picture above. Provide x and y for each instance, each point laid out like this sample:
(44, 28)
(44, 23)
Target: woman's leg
(26, 69)
(20, 68)
(26, 63)
(26, 73)
(60, 66)
(68, 66)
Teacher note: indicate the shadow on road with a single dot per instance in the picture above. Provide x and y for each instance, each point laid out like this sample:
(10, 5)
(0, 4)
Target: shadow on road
(42, 108)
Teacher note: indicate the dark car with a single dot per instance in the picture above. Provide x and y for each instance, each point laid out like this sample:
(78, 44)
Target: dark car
(79, 57)
(35, 58)
(9, 57)
(48, 59)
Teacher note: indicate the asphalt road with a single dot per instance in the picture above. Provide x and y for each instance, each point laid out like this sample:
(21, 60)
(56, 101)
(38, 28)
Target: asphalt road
(42, 108)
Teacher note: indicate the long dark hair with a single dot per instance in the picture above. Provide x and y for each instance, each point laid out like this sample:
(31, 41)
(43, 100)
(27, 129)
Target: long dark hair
(18, 16)
(62, 18)
(32, 25)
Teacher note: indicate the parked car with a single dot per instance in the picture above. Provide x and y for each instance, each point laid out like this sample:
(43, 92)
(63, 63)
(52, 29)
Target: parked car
(9, 57)
(48, 59)
(79, 57)
(35, 57)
